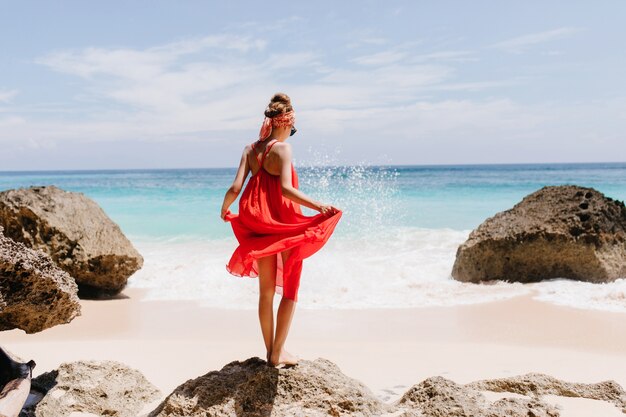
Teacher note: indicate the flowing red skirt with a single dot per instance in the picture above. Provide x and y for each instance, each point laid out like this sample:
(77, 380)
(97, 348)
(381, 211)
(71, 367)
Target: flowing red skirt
(269, 223)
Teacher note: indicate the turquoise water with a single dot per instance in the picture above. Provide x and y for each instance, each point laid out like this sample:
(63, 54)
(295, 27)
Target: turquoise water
(185, 203)
(394, 246)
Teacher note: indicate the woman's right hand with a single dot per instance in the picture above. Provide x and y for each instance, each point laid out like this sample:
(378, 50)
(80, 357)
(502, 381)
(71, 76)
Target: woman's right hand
(327, 209)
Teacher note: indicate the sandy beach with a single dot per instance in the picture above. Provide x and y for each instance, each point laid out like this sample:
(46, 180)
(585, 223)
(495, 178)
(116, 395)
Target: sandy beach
(387, 349)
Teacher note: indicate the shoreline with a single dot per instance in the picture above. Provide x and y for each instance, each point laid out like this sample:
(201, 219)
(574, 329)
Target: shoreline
(234, 168)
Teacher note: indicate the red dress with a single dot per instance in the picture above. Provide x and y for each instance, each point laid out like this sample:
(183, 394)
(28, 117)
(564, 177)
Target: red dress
(269, 223)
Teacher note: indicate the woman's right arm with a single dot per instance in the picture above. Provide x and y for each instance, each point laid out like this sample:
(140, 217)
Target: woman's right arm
(292, 193)
(235, 188)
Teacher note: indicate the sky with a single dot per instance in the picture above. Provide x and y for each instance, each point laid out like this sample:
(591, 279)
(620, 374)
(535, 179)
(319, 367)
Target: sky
(183, 84)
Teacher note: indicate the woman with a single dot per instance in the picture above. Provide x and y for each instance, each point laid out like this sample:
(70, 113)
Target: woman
(274, 236)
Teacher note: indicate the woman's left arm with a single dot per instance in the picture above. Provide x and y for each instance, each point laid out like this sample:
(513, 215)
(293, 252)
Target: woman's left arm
(240, 177)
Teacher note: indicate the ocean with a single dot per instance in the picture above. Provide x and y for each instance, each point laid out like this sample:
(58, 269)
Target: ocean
(393, 248)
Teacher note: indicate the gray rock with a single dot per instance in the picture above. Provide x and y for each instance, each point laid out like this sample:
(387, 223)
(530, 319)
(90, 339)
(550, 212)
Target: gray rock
(521, 407)
(35, 294)
(556, 232)
(440, 397)
(251, 388)
(535, 385)
(75, 232)
(101, 388)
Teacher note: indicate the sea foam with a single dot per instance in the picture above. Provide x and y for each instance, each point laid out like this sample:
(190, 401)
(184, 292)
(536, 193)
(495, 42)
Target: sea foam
(408, 267)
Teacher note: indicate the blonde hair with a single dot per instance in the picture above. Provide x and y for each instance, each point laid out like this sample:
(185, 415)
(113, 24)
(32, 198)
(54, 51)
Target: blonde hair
(279, 104)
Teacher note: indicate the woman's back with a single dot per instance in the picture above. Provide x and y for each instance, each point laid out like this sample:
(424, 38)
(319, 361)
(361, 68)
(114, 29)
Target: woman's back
(262, 202)
(265, 155)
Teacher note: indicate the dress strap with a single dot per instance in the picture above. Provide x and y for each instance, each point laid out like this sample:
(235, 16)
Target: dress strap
(267, 150)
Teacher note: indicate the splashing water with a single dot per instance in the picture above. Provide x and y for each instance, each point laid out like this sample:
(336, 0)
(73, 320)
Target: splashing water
(365, 194)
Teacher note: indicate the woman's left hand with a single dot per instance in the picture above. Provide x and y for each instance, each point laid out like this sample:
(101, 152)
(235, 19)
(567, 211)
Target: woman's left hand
(328, 210)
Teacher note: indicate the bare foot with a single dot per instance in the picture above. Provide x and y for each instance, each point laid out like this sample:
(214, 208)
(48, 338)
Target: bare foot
(284, 358)
(267, 356)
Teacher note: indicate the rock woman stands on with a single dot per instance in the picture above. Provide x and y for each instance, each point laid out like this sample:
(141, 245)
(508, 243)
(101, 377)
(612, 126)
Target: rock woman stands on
(274, 236)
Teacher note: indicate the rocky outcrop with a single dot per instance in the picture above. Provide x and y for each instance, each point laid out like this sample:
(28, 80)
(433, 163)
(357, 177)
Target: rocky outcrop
(440, 397)
(312, 388)
(521, 407)
(75, 232)
(437, 396)
(536, 385)
(318, 388)
(35, 294)
(101, 388)
(251, 388)
(556, 232)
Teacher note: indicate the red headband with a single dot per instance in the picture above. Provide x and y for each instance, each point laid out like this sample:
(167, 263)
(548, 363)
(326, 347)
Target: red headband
(282, 120)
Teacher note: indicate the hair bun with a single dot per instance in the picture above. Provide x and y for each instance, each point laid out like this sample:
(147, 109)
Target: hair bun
(279, 104)
(280, 98)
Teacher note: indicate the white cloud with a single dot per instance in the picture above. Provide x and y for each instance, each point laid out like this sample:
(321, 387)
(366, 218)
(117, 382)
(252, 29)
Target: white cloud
(381, 58)
(520, 43)
(179, 86)
(193, 45)
(364, 38)
(215, 88)
(291, 60)
(399, 80)
(7, 95)
(140, 64)
(450, 56)
(472, 86)
(406, 53)
(11, 121)
(194, 87)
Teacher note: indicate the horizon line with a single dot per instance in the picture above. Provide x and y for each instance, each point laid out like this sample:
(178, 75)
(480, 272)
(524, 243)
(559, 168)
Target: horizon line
(309, 166)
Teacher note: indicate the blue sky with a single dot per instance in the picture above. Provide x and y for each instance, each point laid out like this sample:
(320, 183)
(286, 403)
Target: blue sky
(156, 84)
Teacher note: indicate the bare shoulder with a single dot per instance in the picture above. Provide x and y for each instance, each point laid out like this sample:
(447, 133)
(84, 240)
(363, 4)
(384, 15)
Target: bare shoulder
(282, 148)
(246, 151)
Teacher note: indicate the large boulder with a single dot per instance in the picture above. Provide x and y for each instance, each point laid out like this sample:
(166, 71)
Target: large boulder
(100, 388)
(75, 232)
(556, 232)
(251, 388)
(34, 293)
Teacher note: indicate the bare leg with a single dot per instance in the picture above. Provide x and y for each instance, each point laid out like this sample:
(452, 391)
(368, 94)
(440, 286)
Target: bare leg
(267, 283)
(286, 310)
